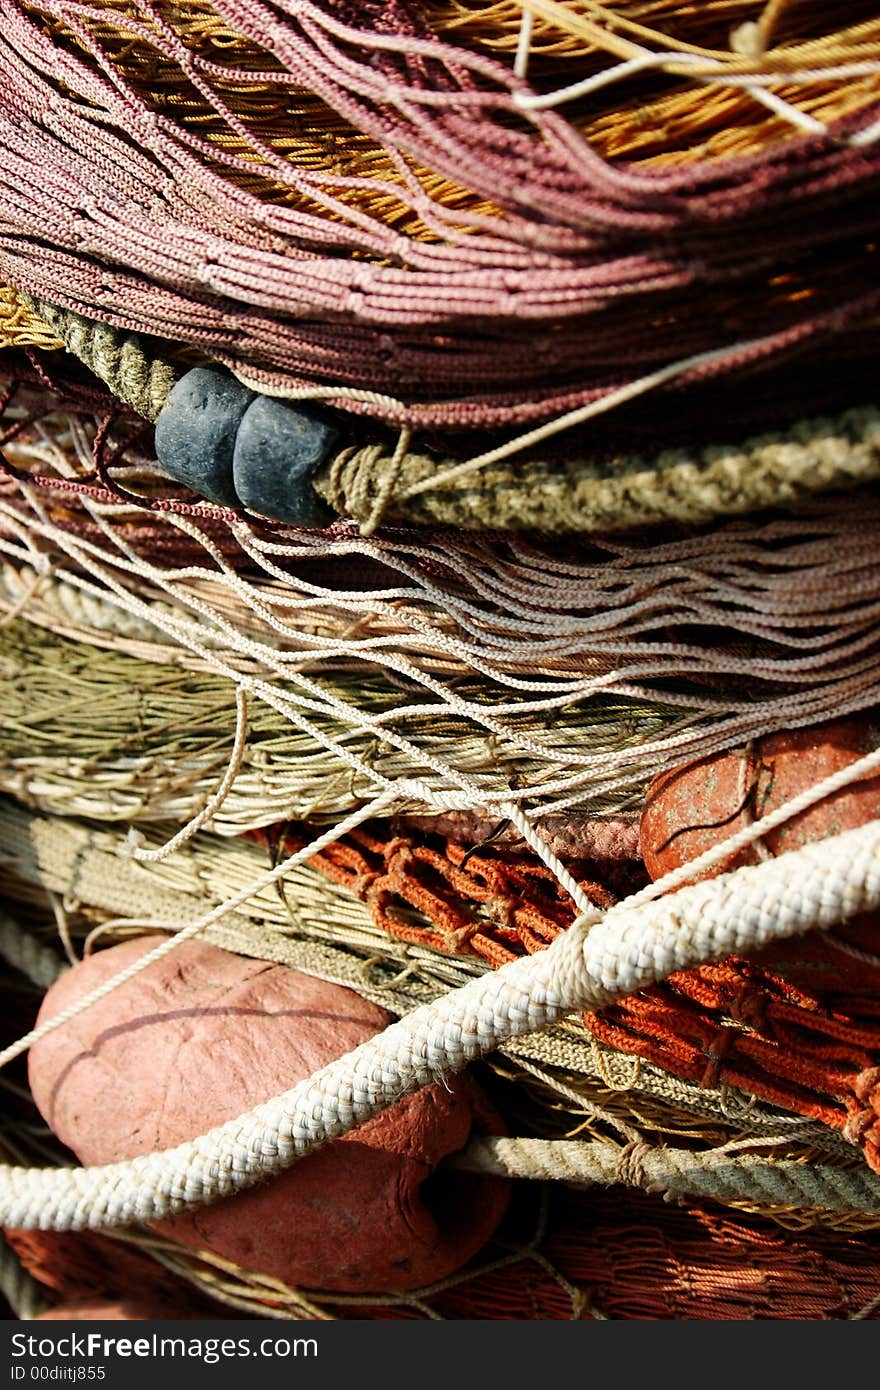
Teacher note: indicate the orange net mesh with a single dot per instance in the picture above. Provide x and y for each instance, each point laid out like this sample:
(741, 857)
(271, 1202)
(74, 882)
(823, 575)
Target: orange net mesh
(602, 1253)
(799, 1028)
(83, 1265)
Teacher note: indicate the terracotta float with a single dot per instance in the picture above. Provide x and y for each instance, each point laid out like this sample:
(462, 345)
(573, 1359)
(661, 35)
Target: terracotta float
(203, 1036)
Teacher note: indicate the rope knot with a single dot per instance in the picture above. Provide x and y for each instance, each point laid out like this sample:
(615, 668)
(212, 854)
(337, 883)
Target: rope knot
(457, 940)
(398, 856)
(863, 1126)
(631, 1164)
(716, 1053)
(502, 910)
(858, 1125)
(362, 885)
(749, 1007)
(867, 1087)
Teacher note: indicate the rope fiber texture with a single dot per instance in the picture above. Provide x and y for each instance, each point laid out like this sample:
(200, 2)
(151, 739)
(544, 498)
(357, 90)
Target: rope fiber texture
(134, 372)
(451, 665)
(676, 1172)
(400, 941)
(590, 494)
(639, 1258)
(572, 493)
(591, 964)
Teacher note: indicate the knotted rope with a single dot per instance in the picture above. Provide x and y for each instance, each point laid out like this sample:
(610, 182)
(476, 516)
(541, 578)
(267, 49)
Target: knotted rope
(715, 1175)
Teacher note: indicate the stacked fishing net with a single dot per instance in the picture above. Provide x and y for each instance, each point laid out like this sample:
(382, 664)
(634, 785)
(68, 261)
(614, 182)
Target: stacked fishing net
(535, 273)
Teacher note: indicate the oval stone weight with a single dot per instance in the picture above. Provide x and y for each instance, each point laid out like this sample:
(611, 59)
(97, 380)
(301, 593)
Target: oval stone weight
(196, 429)
(202, 1037)
(278, 448)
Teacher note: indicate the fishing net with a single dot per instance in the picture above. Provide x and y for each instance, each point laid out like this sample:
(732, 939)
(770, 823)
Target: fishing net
(590, 1256)
(583, 297)
(526, 275)
(545, 1257)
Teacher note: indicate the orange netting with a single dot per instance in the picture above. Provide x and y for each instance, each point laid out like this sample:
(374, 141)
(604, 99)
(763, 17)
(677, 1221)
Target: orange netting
(83, 1265)
(607, 1253)
(800, 1028)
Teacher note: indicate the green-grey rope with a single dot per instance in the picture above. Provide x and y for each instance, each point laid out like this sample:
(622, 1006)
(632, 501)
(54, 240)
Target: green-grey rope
(133, 370)
(582, 494)
(372, 484)
(679, 1172)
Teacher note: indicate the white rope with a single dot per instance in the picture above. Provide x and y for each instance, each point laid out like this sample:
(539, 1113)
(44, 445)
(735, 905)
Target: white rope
(585, 968)
(523, 46)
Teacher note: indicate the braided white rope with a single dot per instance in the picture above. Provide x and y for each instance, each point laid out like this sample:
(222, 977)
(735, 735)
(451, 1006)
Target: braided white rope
(586, 967)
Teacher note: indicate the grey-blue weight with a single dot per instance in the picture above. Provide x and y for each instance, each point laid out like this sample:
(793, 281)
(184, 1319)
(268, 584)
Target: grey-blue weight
(278, 448)
(196, 429)
(238, 448)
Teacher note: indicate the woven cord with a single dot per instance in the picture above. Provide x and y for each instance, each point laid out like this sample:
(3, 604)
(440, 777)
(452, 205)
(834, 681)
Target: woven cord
(584, 495)
(678, 1172)
(137, 376)
(585, 968)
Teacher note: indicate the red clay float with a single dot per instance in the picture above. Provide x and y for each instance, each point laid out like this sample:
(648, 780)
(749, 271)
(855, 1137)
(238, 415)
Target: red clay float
(692, 808)
(205, 1035)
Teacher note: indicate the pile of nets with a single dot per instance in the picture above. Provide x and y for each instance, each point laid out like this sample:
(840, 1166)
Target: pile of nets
(585, 298)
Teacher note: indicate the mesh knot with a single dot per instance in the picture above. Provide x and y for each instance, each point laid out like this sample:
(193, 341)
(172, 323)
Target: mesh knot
(717, 1053)
(858, 1125)
(748, 1006)
(502, 911)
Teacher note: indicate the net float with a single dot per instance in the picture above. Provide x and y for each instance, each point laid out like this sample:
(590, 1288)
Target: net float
(204, 1035)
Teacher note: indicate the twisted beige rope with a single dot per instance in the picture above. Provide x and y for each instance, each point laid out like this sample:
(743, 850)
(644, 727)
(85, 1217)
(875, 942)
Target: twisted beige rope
(678, 1172)
(585, 494)
(586, 967)
(133, 371)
